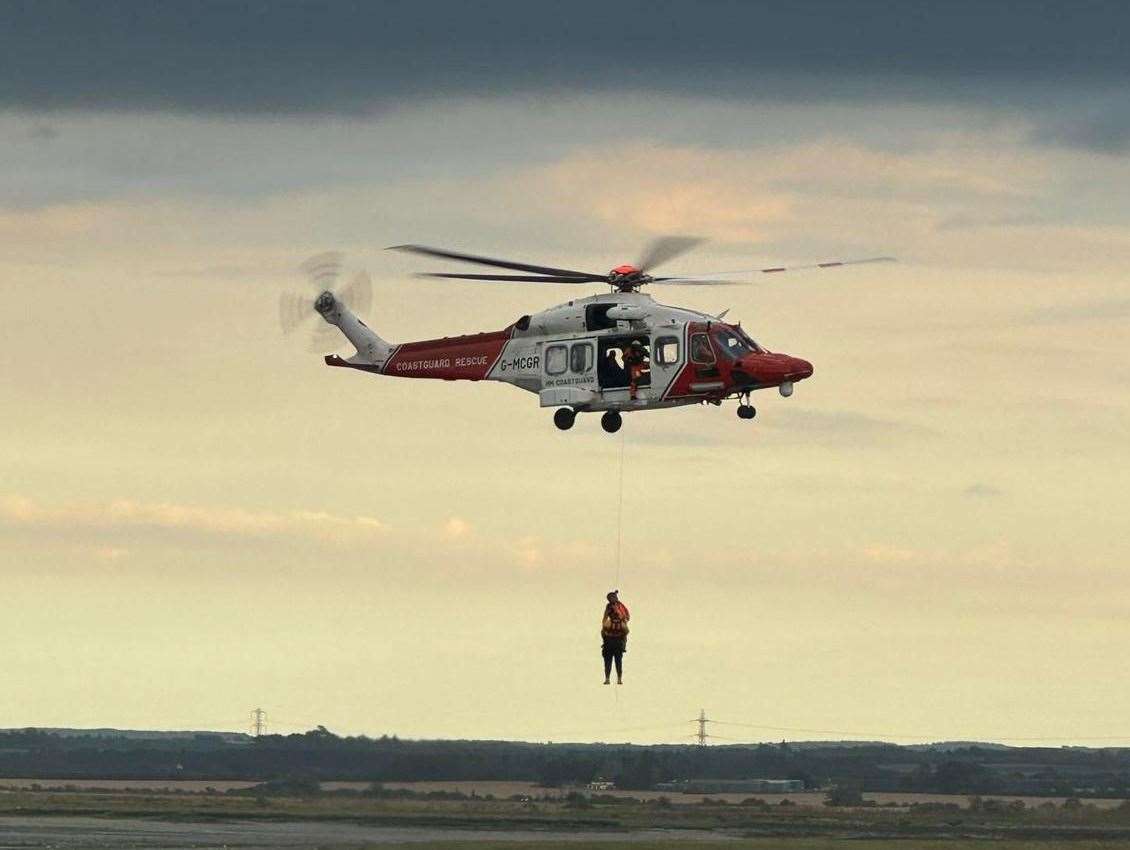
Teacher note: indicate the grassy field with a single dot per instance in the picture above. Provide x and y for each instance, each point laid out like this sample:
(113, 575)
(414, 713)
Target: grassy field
(766, 844)
(755, 823)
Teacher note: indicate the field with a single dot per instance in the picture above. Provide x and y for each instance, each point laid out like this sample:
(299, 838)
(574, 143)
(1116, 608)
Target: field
(504, 789)
(115, 817)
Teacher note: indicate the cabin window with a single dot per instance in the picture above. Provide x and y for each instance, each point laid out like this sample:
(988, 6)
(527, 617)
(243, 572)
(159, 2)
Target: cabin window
(556, 359)
(701, 352)
(580, 357)
(667, 350)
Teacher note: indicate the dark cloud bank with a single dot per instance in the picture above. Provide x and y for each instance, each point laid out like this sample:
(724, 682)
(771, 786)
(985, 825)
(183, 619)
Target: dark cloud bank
(303, 57)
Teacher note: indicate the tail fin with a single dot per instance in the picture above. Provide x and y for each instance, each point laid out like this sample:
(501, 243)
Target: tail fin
(371, 349)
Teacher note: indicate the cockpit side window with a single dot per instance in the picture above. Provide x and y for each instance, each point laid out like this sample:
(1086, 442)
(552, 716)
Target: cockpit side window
(701, 352)
(731, 345)
(748, 340)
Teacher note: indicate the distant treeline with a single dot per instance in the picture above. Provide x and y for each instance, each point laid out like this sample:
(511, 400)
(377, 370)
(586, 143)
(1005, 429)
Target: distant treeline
(321, 755)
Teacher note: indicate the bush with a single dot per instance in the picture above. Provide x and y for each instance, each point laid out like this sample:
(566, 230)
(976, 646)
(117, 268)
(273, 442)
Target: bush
(577, 800)
(845, 794)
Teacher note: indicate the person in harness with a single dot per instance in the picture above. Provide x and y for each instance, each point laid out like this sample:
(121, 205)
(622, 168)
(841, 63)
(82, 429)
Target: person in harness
(634, 359)
(614, 636)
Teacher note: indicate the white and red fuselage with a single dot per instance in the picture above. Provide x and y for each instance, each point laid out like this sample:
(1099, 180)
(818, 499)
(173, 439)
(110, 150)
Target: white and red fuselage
(572, 355)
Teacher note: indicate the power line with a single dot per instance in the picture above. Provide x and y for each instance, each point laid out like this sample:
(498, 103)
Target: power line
(258, 721)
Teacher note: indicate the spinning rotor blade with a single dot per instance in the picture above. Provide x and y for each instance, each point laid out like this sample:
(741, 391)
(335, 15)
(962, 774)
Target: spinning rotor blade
(294, 310)
(501, 264)
(357, 295)
(528, 278)
(700, 280)
(666, 248)
(323, 270)
(324, 338)
(297, 309)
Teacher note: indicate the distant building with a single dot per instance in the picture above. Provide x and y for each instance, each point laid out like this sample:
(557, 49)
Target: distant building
(732, 786)
(601, 785)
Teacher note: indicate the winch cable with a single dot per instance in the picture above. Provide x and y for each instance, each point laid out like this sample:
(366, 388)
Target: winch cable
(619, 537)
(620, 514)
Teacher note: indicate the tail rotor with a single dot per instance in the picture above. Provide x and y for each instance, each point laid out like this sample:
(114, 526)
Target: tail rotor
(299, 310)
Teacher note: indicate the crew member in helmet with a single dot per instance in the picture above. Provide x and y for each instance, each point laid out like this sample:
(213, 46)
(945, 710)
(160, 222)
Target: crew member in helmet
(614, 636)
(635, 358)
(611, 372)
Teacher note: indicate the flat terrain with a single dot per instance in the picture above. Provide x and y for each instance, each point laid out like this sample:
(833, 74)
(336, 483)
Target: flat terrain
(116, 818)
(87, 833)
(505, 789)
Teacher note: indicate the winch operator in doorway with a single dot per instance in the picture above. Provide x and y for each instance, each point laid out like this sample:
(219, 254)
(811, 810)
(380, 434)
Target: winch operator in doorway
(614, 636)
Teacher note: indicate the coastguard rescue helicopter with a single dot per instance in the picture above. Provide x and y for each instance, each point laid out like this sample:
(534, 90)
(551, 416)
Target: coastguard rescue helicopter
(610, 353)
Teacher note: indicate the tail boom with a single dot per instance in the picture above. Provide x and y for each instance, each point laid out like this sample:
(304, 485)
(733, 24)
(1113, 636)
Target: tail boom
(456, 358)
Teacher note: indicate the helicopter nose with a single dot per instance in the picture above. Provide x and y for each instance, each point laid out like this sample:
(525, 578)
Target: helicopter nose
(799, 369)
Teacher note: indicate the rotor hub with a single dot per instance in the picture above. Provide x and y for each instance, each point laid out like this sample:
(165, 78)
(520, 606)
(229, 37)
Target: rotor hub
(325, 302)
(627, 278)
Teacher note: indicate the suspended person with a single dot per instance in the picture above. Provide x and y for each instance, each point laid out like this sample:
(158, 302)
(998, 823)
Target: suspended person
(634, 359)
(614, 634)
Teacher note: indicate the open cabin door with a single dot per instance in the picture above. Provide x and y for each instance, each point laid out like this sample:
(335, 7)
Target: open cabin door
(612, 372)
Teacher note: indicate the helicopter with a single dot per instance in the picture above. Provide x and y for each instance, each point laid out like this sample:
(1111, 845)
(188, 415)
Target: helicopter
(610, 353)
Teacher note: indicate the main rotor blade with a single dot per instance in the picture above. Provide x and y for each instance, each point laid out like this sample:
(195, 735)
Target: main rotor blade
(698, 281)
(501, 264)
(692, 279)
(666, 248)
(505, 278)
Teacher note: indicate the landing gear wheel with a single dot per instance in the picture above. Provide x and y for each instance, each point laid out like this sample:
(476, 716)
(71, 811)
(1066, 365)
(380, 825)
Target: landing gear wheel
(611, 421)
(746, 411)
(564, 417)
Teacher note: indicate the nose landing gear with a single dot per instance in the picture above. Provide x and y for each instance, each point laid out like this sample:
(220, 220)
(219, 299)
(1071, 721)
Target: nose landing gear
(745, 409)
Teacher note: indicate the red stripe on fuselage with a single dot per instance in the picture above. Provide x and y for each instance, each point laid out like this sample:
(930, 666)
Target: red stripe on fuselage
(455, 358)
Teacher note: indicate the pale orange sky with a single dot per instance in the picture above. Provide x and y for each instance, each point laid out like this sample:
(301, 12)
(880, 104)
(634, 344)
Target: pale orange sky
(198, 518)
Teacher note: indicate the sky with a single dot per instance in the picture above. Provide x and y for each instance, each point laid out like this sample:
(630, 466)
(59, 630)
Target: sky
(926, 542)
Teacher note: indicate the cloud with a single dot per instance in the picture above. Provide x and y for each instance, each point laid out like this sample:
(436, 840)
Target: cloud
(813, 425)
(125, 516)
(528, 551)
(885, 553)
(110, 554)
(1104, 130)
(457, 528)
(980, 490)
(332, 58)
(1092, 310)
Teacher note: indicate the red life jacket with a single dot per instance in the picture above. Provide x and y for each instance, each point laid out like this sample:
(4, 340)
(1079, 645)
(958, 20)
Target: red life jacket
(615, 623)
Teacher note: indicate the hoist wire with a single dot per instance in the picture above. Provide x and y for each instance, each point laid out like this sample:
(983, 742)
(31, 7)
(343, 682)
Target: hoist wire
(619, 536)
(620, 513)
